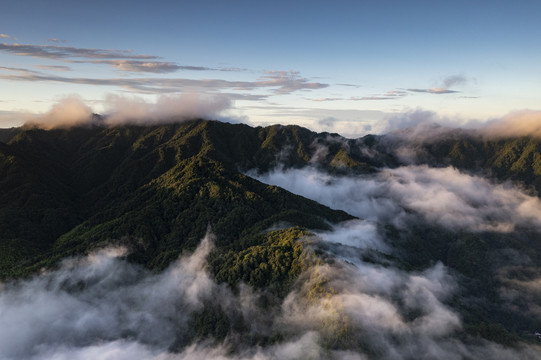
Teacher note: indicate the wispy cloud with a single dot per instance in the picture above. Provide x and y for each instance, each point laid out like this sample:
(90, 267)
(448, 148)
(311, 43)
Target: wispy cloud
(279, 82)
(123, 60)
(55, 40)
(119, 110)
(520, 123)
(151, 66)
(287, 82)
(53, 67)
(323, 99)
(145, 66)
(389, 95)
(453, 80)
(435, 90)
(5, 36)
(445, 85)
(63, 52)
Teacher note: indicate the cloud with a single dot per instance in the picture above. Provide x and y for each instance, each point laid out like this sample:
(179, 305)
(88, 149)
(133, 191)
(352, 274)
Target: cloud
(341, 307)
(70, 111)
(151, 66)
(415, 120)
(63, 52)
(121, 109)
(287, 82)
(410, 194)
(124, 60)
(102, 299)
(435, 90)
(453, 80)
(143, 66)
(520, 123)
(53, 67)
(445, 87)
(280, 84)
(390, 95)
(422, 125)
(327, 99)
(5, 36)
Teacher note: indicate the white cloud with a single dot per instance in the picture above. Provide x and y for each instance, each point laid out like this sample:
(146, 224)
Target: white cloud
(520, 123)
(70, 111)
(437, 195)
(122, 109)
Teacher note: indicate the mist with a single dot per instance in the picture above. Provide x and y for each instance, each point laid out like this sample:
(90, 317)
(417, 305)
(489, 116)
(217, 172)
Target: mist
(413, 194)
(122, 110)
(355, 302)
(101, 306)
(69, 111)
(520, 123)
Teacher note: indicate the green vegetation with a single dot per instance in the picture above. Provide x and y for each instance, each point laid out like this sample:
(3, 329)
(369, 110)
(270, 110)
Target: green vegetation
(154, 189)
(516, 159)
(157, 189)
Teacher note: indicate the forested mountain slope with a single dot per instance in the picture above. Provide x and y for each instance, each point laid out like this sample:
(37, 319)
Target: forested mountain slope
(441, 233)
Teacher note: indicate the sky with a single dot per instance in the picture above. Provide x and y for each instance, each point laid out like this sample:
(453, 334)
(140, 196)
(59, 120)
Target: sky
(341, 66)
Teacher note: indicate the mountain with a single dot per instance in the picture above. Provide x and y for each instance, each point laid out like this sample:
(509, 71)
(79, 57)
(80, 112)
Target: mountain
(158, 190)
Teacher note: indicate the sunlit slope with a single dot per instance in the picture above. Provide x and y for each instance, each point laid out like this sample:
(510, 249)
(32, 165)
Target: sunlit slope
(154, 188)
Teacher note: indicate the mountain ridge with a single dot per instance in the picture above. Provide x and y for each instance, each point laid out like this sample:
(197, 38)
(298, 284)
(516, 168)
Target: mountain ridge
(157, 189)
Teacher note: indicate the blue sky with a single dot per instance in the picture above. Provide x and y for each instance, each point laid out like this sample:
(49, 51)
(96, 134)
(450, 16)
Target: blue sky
(343, 66)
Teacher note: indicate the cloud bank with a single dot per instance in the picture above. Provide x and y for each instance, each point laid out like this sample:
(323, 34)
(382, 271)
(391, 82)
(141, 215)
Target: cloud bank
(134, 110)
(410, 194)
(70, 111)
(120, 110)
(521, 123)
(342, 307)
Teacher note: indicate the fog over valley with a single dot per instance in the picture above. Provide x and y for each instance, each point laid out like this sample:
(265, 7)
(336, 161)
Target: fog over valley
(405, 256)
(349, 180)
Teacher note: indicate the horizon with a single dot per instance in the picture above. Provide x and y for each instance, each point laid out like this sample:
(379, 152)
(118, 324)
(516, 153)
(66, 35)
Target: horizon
(352, 68)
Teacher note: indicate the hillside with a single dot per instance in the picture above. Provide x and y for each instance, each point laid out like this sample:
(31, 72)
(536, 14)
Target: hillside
(470, 260)
(157, 188)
